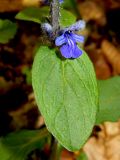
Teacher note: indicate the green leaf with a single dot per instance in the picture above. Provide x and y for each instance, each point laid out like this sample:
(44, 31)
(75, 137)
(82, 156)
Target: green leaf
(109, 109)
(64, 20)
(71, 5)
(67, 4)
(37, 15)
(27, 72)
(66, 93)
(7, 30)
(33, 14)
(16, 146)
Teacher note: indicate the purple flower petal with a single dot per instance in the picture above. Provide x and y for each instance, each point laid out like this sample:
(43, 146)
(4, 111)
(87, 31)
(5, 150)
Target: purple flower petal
(66, 51)
(77, 52)
(77, 38)
(60, 40)
(71, 42)
(69, 52)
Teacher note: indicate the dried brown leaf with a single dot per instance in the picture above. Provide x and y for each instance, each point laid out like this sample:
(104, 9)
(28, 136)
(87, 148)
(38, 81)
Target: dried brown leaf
(112, 54)
(90, 10)
(107, 145)
(16, 5)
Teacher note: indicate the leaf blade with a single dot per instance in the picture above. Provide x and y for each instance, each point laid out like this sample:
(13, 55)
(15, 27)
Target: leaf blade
(8, 30)
(58, 97)
(19, 144)
(64, 20)
(33, 14)
(109, 105)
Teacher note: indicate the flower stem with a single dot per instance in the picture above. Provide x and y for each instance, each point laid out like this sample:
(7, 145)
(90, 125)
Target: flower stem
(56, 150)
(55, 16)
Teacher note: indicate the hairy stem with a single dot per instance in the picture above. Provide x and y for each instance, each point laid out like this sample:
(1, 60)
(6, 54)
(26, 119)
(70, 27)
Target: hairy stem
(55, 16)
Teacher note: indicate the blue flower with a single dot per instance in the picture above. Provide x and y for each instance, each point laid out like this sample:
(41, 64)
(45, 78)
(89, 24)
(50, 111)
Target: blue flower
(67, 42)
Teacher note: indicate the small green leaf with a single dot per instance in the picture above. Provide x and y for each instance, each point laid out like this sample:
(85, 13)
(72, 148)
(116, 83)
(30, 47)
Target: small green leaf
(7, 30)
(67, 4)
(16, 146)
(109, 109)
(66, 93)
(37, 15)
(67, 18)
(71, 5)
(33, 14)
(27, 72)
